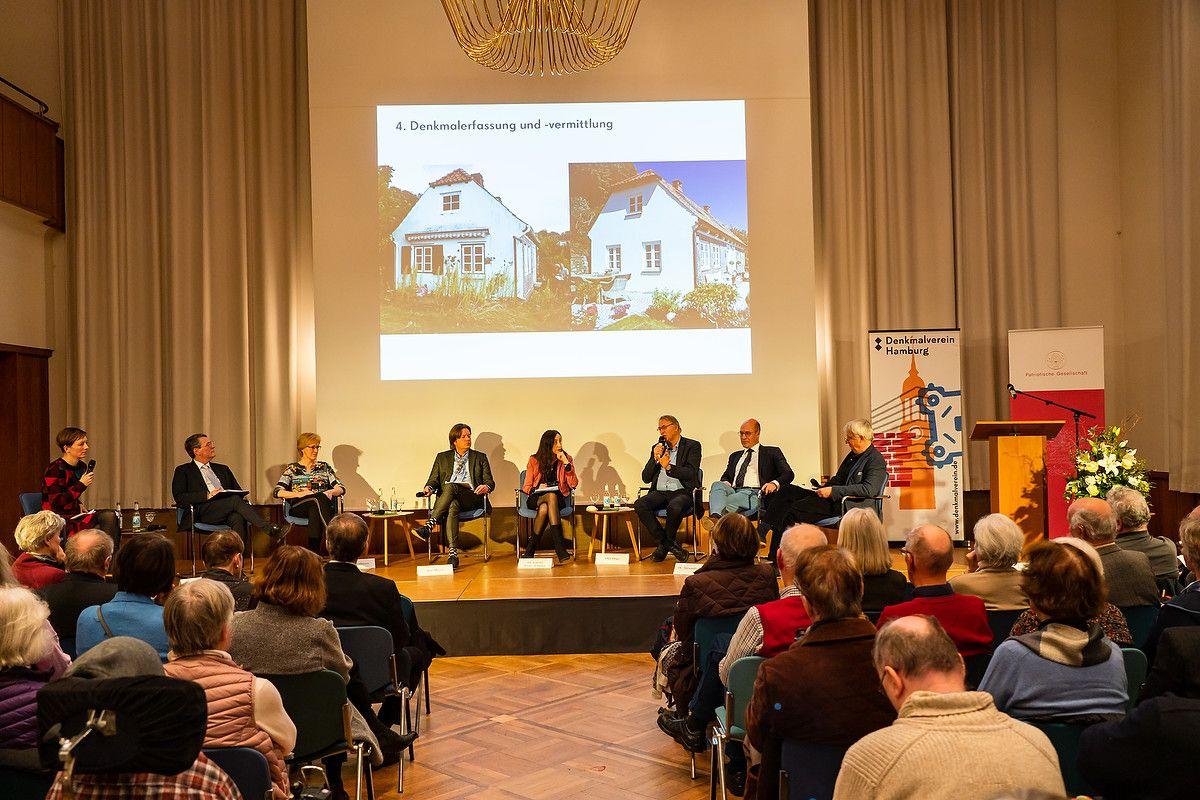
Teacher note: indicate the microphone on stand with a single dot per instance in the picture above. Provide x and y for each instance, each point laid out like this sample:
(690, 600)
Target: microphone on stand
(1012, 392)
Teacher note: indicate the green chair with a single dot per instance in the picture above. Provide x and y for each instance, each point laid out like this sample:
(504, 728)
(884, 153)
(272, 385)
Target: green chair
(1064, 736)
(410, 618)
(1141, 621)
(370, 648)
(731, 717)
(316, 703)
(1135, 673)
(705, 631)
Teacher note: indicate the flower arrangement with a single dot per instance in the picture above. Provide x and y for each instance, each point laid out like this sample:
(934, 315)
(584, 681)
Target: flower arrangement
(1106, 461)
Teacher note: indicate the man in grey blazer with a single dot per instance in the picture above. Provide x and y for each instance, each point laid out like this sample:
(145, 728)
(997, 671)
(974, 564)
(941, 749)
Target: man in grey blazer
(461, 477)
(1127, 573)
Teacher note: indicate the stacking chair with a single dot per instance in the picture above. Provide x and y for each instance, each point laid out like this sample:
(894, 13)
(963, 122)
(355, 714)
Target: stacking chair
(731, 717)
(1064, 736)
(410, 619)
(1001, 623)
(31, 502)
(1141, 622)
(703, 634)
(247, 767)
(852, 501)
(691, 521)
(525, 513)
(292, 519)
(484, 513)
(1136, 666)
(316, 702)
(808, 771)
(370, 647)
(196, 528)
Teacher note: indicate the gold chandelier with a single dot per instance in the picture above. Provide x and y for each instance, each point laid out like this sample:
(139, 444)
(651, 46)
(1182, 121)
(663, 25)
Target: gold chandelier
(539, 37)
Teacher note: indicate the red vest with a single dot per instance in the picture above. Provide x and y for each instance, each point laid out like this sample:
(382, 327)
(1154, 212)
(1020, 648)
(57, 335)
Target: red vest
(781, 619)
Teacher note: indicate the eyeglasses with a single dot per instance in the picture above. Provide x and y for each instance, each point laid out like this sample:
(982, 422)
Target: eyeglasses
(745, 433)
(312, 447)
(666, 427)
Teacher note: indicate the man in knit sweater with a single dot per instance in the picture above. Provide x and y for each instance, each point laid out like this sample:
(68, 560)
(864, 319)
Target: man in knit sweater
(939, 724)
(928, 554)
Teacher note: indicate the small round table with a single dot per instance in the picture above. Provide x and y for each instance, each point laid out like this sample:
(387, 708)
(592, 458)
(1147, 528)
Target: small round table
(404, 517)
(600, 517)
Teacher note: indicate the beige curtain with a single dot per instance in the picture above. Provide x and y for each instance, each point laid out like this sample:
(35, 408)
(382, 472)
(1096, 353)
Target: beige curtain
(1181, 229)
(188, 206)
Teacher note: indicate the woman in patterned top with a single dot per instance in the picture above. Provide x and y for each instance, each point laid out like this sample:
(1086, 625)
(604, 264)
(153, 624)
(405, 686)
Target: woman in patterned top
(66, 479)
(311, 487)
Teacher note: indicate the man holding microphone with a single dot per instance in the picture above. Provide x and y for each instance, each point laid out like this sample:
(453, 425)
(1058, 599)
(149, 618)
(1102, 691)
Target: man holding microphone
(673, 473)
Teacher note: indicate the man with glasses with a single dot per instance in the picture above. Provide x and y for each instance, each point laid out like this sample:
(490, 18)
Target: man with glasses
(214, 494)
(673, 472)
(754, 467)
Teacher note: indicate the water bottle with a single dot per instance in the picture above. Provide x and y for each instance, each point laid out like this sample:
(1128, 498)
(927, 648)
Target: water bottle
(395, 502)
(119, 516)
(137, 516)
(607, 497)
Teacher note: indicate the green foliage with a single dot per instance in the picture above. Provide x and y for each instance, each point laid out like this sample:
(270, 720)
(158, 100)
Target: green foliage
(663, 303)
(715, 304)
(638, 322)
(394, 205)
(458, 304)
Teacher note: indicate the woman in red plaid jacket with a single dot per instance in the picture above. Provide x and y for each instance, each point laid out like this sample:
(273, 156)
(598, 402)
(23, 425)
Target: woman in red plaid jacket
(66, 479)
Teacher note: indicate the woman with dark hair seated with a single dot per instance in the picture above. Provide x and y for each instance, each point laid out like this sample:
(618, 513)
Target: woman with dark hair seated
(549, 479)
(1067, 669)
(67, 478)
(145, 572)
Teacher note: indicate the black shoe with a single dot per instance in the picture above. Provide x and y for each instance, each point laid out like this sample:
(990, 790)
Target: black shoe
(423, 532)
(562, 555)
(677, 729)
(278, 532)
(659, 554)
(735, 781)
(453, 561)
(530, 548)
(680, 554)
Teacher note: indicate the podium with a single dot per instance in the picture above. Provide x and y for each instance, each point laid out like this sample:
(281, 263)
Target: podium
(1017, 457)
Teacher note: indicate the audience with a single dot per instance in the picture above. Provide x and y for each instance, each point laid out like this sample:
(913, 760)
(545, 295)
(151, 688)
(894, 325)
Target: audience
(729, 583)
(41, 560)
(1149, 755)
(991, 565)
(243, 711)
(923, 677)
(1133, 515)
(861, 532)
(1176, 669)
(144, 570)
(1184, 608)
(56, 661)
(24, 642)
(1127, 573)
(1067, 669)
(1110, 619)
(928, 554)
(824, 689)
(88, 557)
(222, 554)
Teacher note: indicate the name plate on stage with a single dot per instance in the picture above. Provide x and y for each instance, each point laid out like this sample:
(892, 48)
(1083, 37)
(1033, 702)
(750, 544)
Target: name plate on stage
(434, 570)
(612, 559)
(535, 563)
(687, 569)
(365, 563)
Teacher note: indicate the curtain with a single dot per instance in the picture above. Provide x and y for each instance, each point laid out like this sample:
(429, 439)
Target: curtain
(188, 184)
(1181, 233)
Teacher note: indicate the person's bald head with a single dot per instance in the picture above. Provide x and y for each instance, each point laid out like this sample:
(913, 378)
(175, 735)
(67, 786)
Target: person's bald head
(929, 552)
(796, 540)
(915, 653)
(749, 432)
(1092, 520)
(89, 551)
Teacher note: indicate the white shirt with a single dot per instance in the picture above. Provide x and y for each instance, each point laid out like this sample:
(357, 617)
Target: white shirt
(210, 477)
(751, 481)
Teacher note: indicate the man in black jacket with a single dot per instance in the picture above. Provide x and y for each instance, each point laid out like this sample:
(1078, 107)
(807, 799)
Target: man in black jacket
(461, 477)
(222, 555)
(1151, 754)
(213, 493)
(673, 472)
(354, 597)
(88, 556)
(755, 467)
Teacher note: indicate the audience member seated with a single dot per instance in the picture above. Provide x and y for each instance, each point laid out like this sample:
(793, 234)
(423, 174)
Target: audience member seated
(144, 570)
(64, 482)
(1184, 608)
(125, 657)
(1176, 669)
(222, 554)
(824, 688)
(283, 636)
(1133, 516)
(729, 583)
(1067, 669)
(1127, 573)
(354, 597)
(243, 711)
(56, 661)
(25, 640)
(928, 554)
(861, 532)
(88, 557)
(1110, 619)
(766, 630)
(991, 565)
(924, 677)
(41, 561)
(1149, 755)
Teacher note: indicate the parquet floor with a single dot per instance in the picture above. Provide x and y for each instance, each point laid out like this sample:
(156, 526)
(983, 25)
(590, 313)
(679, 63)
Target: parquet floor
(538, 727)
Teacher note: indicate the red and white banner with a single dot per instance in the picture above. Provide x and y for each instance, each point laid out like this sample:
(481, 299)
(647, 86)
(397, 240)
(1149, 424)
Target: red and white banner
(1065, 366)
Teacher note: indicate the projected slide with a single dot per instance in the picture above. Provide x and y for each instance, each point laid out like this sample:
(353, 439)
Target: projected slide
(562, 240)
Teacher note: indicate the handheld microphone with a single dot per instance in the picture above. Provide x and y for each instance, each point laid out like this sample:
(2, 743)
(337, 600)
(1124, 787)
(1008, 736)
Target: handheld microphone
(813, 482)
(663, 441)
(1012, 392)
(91, 467)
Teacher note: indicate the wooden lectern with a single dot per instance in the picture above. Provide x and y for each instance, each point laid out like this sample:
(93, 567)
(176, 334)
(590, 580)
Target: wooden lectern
(1018, 470)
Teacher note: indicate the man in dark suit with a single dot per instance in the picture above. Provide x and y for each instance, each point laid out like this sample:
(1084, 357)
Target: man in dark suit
(222, 556)
(354, 597)
(673, 472)
(461, 477)
(211, 490)
(88, 556)
(1176, 668)
(1151, 753)
(862, 473)
(755, 467)
(1182, 610)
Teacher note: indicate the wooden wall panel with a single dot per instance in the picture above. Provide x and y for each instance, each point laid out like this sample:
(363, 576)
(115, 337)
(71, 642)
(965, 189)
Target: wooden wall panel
(24, 429)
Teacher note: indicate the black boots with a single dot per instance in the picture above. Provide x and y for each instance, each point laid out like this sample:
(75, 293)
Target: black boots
(560, 544)
(531, 544)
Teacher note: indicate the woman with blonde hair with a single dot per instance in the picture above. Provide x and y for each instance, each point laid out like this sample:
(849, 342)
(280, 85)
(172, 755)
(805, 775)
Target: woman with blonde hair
(311, 487)
(991, 565)
(41, 561)
(25, 640)
(861, 532)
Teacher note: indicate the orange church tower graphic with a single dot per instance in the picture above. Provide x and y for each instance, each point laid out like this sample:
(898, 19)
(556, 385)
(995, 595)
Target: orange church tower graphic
(904, 445)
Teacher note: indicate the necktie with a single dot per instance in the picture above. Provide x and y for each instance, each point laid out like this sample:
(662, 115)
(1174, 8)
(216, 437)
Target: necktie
(741, 476)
